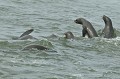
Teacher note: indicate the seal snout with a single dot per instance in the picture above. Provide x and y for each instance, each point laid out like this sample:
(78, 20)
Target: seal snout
(79, 20)
(76, 21)
(104, 17)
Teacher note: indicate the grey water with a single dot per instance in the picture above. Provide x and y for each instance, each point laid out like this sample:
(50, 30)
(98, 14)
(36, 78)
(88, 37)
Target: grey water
(81, 58)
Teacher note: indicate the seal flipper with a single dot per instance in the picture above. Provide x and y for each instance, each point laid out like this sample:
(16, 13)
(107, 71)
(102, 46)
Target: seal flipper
(84, 32)
(27, 32)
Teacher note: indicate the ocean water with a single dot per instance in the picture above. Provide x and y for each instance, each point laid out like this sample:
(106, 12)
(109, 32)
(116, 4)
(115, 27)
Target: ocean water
(81, 58)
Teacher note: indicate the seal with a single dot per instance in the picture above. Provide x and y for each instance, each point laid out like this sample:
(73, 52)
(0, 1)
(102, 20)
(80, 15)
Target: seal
(88, 29)
(108, 31)
(38, 47)
(69, 35)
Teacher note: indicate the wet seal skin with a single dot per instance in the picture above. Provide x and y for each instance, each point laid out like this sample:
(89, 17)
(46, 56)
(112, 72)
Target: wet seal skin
(88, 29)
(108, 31)
(38, 47)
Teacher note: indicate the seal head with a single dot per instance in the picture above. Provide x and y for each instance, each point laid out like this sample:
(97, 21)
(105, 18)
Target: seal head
(69, 35)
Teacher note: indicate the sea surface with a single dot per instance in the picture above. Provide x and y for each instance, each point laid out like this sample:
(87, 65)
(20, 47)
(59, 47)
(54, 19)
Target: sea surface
(79, 58)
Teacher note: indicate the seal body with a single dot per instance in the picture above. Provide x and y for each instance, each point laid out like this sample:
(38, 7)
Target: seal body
(88, 29)
(38, 47)
(108, 31)
(69, 35)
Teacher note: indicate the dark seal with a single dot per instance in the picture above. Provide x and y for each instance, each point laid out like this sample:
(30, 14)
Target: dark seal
(87, 28)
(38, 47)
(69, 35)
(108, 31)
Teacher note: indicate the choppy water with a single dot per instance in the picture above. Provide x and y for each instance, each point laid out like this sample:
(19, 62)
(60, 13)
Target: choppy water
(82, 58)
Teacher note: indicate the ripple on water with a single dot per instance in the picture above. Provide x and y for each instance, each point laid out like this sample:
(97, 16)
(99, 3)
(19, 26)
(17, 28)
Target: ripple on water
(81, 58)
